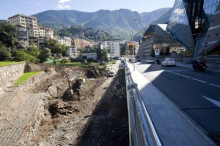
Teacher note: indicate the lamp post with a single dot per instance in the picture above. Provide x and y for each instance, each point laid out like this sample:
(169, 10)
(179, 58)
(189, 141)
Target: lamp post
(134, 19)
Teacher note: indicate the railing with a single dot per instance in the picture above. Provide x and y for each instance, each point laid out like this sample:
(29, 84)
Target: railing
(141, 129)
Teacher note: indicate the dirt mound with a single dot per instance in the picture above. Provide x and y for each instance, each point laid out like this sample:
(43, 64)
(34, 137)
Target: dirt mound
(93, 72)
(29, 67)
(57, 108)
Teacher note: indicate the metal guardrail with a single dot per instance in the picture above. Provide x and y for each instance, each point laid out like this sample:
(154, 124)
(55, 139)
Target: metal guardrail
(141, 129)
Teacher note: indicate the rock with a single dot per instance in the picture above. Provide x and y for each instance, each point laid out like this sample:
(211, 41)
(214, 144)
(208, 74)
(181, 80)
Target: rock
(52, 90)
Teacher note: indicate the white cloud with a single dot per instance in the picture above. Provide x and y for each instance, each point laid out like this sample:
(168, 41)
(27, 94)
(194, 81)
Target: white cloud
(63, 1)
(63, 7)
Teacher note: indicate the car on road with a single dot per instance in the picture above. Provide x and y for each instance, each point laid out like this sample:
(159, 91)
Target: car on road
(111, 73)
(149, 60)
(168, 62)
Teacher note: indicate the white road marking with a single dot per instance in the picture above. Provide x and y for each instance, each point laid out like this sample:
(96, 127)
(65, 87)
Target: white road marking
(214, 85)
(186, 76)
(201, 81)
(217, 103)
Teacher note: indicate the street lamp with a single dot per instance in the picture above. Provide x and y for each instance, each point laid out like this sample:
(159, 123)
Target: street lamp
(134, 19)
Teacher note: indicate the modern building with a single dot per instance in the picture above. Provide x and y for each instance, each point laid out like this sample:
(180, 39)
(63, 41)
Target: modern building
(195, 24)
(157, 37)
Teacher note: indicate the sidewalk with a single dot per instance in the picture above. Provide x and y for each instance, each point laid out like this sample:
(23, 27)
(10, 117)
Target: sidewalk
(172, 126)
(190, 66)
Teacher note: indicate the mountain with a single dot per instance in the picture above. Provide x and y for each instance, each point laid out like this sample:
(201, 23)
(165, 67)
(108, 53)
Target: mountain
(87, 33)
(150, 17)
(118, 23)
(164, 18)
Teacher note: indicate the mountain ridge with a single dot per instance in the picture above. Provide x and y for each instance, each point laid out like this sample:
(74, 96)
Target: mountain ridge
(116, 22)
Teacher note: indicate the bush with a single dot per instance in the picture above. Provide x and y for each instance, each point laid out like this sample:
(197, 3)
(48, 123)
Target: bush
(45, 54)
(85, 62)
(56, 62)
(65, 61)
(21, 55)
(4, 53)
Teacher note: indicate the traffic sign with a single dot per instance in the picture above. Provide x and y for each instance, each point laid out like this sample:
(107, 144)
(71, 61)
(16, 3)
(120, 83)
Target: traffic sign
(157, 52)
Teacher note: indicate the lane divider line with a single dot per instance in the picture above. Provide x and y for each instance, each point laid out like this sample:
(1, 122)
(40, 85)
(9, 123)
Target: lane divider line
(215, 102)
(201, 81)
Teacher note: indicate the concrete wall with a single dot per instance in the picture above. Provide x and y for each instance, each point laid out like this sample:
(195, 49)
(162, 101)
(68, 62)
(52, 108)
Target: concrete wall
(9, 74)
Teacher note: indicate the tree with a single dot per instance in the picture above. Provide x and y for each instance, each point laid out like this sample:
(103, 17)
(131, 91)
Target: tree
(45, 54)
(21, 55)
(8, 35)
(105, 55)
(4, 53)
(152, 53)
(55, 47)
(34, 51)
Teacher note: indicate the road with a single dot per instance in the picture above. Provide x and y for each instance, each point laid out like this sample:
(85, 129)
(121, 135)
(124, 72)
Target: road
(196, 93)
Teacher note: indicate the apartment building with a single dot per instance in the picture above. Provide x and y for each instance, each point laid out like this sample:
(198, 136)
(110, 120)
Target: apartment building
(113, 47)
(27, 22)
(29, 30)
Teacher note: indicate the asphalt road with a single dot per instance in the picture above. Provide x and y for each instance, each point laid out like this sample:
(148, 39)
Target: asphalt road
(196, 93)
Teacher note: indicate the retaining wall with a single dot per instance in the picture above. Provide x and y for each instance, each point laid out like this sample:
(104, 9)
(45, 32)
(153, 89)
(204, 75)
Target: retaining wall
(9, 74)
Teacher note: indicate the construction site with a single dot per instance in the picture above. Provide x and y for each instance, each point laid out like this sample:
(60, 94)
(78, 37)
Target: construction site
(64, 106)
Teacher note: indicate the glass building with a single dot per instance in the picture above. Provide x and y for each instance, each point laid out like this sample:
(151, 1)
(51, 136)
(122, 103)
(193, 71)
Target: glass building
(190, 21)
(157, 37)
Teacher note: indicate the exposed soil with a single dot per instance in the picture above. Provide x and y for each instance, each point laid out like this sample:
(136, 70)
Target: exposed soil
(109, 123)
(44, 111)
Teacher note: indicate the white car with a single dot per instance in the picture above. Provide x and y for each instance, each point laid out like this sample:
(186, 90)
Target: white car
(149, 61)
(169, 62)
(111, 73)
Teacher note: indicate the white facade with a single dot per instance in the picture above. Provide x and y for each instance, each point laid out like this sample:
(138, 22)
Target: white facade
(71, 52)
(67, 41)
(114, 48)
(61, 40)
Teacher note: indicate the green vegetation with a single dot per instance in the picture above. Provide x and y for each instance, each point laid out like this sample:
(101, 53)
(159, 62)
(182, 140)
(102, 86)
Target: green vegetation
(4, 53)
(73, 64)
(45, 54)
(55, 46)
(8, 36)
(21, 55)
(24, 77)
(5, 63)
(86, 33)
(117, 23)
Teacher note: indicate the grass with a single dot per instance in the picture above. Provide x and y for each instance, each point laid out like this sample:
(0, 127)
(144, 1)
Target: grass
(24, 77)
(5, 63)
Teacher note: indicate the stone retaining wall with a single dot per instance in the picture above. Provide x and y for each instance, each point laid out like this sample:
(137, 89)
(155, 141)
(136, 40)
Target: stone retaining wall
(9, 74)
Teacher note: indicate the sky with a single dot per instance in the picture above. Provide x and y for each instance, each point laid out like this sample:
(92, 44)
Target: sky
(29, 7)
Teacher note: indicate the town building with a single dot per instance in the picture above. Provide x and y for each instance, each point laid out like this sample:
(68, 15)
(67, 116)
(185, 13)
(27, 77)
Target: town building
(29, 30)
(113, 47)
(27, 27)
(72, 52)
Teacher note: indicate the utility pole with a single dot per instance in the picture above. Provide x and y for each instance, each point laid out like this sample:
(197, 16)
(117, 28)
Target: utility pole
(134, 19)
